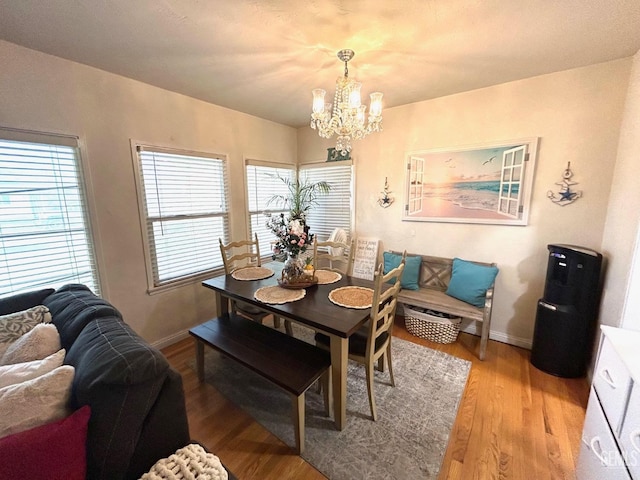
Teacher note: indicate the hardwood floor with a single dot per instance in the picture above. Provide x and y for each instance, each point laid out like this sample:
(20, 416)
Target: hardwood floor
(514, 421)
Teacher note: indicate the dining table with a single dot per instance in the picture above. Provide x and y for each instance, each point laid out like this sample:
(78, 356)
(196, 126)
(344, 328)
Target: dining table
(315, 310)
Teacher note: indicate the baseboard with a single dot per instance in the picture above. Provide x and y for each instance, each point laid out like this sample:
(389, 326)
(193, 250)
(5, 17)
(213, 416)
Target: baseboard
(175, 338)
(474, 328)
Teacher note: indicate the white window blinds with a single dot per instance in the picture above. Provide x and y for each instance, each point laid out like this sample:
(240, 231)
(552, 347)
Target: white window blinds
(262, 184)
(332, 210)
(185, 211)
(45, 239)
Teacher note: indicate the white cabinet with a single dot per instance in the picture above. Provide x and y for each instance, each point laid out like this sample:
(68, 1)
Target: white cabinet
(610, 447)
(630, 433)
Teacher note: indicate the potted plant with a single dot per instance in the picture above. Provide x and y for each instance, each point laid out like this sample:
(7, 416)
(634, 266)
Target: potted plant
(292, 231)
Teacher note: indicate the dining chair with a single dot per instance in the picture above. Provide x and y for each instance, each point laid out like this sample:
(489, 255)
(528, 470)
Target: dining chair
(372, 343)
(336, 256)
(239, 254)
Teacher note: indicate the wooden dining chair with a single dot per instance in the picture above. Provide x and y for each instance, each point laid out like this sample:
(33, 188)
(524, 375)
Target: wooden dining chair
(331, 255)
(241, 254)
(372, 342)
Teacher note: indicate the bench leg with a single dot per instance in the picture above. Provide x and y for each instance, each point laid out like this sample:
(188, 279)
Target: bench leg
(484, 338)
(298, 421)
(200, 360)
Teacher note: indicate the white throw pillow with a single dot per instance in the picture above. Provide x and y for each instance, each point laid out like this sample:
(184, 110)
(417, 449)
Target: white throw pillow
(36, 402)
(21, 372)
(40, 342)
(14, 325)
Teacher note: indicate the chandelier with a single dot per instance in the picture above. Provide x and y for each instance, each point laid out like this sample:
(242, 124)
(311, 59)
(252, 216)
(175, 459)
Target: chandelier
(347, 118)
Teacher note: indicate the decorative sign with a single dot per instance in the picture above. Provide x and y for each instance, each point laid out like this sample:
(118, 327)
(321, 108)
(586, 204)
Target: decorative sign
(365, 258)
(334, 155)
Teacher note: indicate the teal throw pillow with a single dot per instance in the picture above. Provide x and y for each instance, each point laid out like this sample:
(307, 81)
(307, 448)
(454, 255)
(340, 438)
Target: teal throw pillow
(470, 281)
(411, 273)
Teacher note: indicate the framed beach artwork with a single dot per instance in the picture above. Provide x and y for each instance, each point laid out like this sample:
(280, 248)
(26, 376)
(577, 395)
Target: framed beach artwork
(489, 183)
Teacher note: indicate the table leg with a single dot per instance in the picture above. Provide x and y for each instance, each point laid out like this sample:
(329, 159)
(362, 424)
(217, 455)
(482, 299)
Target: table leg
(222, 304)
(200, 360)
(339, 358)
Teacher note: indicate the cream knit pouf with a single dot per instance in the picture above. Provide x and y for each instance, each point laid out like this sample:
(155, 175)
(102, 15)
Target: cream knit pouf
(189, 463)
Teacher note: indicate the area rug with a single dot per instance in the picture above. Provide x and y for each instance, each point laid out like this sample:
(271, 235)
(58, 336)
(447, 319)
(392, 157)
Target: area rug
(409, 439)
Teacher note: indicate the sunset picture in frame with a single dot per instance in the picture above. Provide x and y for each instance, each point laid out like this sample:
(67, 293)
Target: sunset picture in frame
(489, 183)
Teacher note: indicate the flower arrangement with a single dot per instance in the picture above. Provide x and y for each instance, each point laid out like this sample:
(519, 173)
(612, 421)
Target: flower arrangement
(292, 231)
(292, 235)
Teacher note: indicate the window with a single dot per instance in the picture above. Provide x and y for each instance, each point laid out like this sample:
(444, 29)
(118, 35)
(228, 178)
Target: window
(333, 210)
(262, 184)
(45, 239)
(184, 207)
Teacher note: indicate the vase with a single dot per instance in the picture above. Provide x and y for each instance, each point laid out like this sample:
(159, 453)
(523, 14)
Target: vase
(293, 269)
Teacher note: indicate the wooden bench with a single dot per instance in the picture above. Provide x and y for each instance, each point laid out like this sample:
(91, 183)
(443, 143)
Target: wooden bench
(435, 275)
(291, 364)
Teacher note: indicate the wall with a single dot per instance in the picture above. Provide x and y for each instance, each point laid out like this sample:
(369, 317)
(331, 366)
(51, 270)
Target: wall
(49, 94)
(576, 114)
(621, 301)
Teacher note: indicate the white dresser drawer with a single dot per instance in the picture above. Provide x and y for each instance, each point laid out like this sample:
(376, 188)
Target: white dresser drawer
(630, 433)
(612, 381)
(599, 454)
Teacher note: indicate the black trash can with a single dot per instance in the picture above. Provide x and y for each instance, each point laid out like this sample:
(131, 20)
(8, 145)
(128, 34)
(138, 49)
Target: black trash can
(566, 316)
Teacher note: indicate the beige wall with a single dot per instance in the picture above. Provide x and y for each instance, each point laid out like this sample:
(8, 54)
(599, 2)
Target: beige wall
(576, 114)
(622, 291)
(44, 93)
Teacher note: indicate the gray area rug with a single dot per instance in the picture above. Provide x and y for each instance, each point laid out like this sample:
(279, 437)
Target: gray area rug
(414, 419)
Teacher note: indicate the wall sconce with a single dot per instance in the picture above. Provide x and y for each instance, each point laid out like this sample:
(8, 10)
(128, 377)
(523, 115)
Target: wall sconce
(385, 200)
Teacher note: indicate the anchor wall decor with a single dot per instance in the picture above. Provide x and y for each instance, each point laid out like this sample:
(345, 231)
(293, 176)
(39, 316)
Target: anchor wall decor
(385, 200)
(565, 194)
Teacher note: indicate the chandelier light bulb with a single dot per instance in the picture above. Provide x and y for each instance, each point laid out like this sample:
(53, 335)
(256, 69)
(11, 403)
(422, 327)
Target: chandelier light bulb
(318, 100)
(346, 118)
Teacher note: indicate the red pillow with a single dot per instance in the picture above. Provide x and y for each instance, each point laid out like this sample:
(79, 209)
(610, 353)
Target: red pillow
(55, 451)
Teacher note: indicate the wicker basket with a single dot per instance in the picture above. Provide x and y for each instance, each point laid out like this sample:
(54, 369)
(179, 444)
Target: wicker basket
(435, 326)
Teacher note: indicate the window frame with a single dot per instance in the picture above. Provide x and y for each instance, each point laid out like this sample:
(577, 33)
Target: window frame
(341, 163)
(83, 186)
(154, 287)
(298, 169)
(265, 254)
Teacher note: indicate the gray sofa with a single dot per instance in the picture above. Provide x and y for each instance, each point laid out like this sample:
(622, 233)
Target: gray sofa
(137, 402)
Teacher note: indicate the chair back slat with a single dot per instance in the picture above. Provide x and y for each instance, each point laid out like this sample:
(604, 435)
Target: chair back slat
(341, 262)
(383, 306)
(232, 260)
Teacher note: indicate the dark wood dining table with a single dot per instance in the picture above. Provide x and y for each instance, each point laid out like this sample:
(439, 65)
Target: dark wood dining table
(315, 311)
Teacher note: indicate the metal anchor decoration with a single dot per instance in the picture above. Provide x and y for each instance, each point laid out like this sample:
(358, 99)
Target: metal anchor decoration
(565, 194)
(385, 200)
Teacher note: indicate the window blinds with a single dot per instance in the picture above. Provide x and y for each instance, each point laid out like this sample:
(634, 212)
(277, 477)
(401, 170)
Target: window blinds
(45, 239)
(185, 203)
(332, 210)
(262, 184)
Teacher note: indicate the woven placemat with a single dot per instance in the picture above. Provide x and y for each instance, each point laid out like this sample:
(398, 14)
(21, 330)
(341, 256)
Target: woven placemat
(252, 273)
(277, 295)
(352, 297)
(327, 276)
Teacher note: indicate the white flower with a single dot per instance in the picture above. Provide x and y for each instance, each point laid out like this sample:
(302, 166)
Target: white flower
(296, 227)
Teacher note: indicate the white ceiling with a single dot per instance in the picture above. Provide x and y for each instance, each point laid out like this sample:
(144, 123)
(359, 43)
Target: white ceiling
(265, 57)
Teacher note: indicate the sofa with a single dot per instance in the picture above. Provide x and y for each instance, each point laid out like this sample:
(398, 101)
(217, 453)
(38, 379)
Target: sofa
(138, 413)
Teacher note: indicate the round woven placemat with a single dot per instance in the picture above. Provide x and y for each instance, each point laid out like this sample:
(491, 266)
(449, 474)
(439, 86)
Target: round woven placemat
(278, 295)
(327, 276)
(252, 273)
(352, 297)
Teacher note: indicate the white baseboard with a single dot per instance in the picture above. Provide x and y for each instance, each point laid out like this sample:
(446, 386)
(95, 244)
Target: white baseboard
(474, 328)
(170, 340)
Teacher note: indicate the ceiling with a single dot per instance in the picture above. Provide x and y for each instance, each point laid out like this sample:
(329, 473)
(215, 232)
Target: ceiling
(264, 57)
